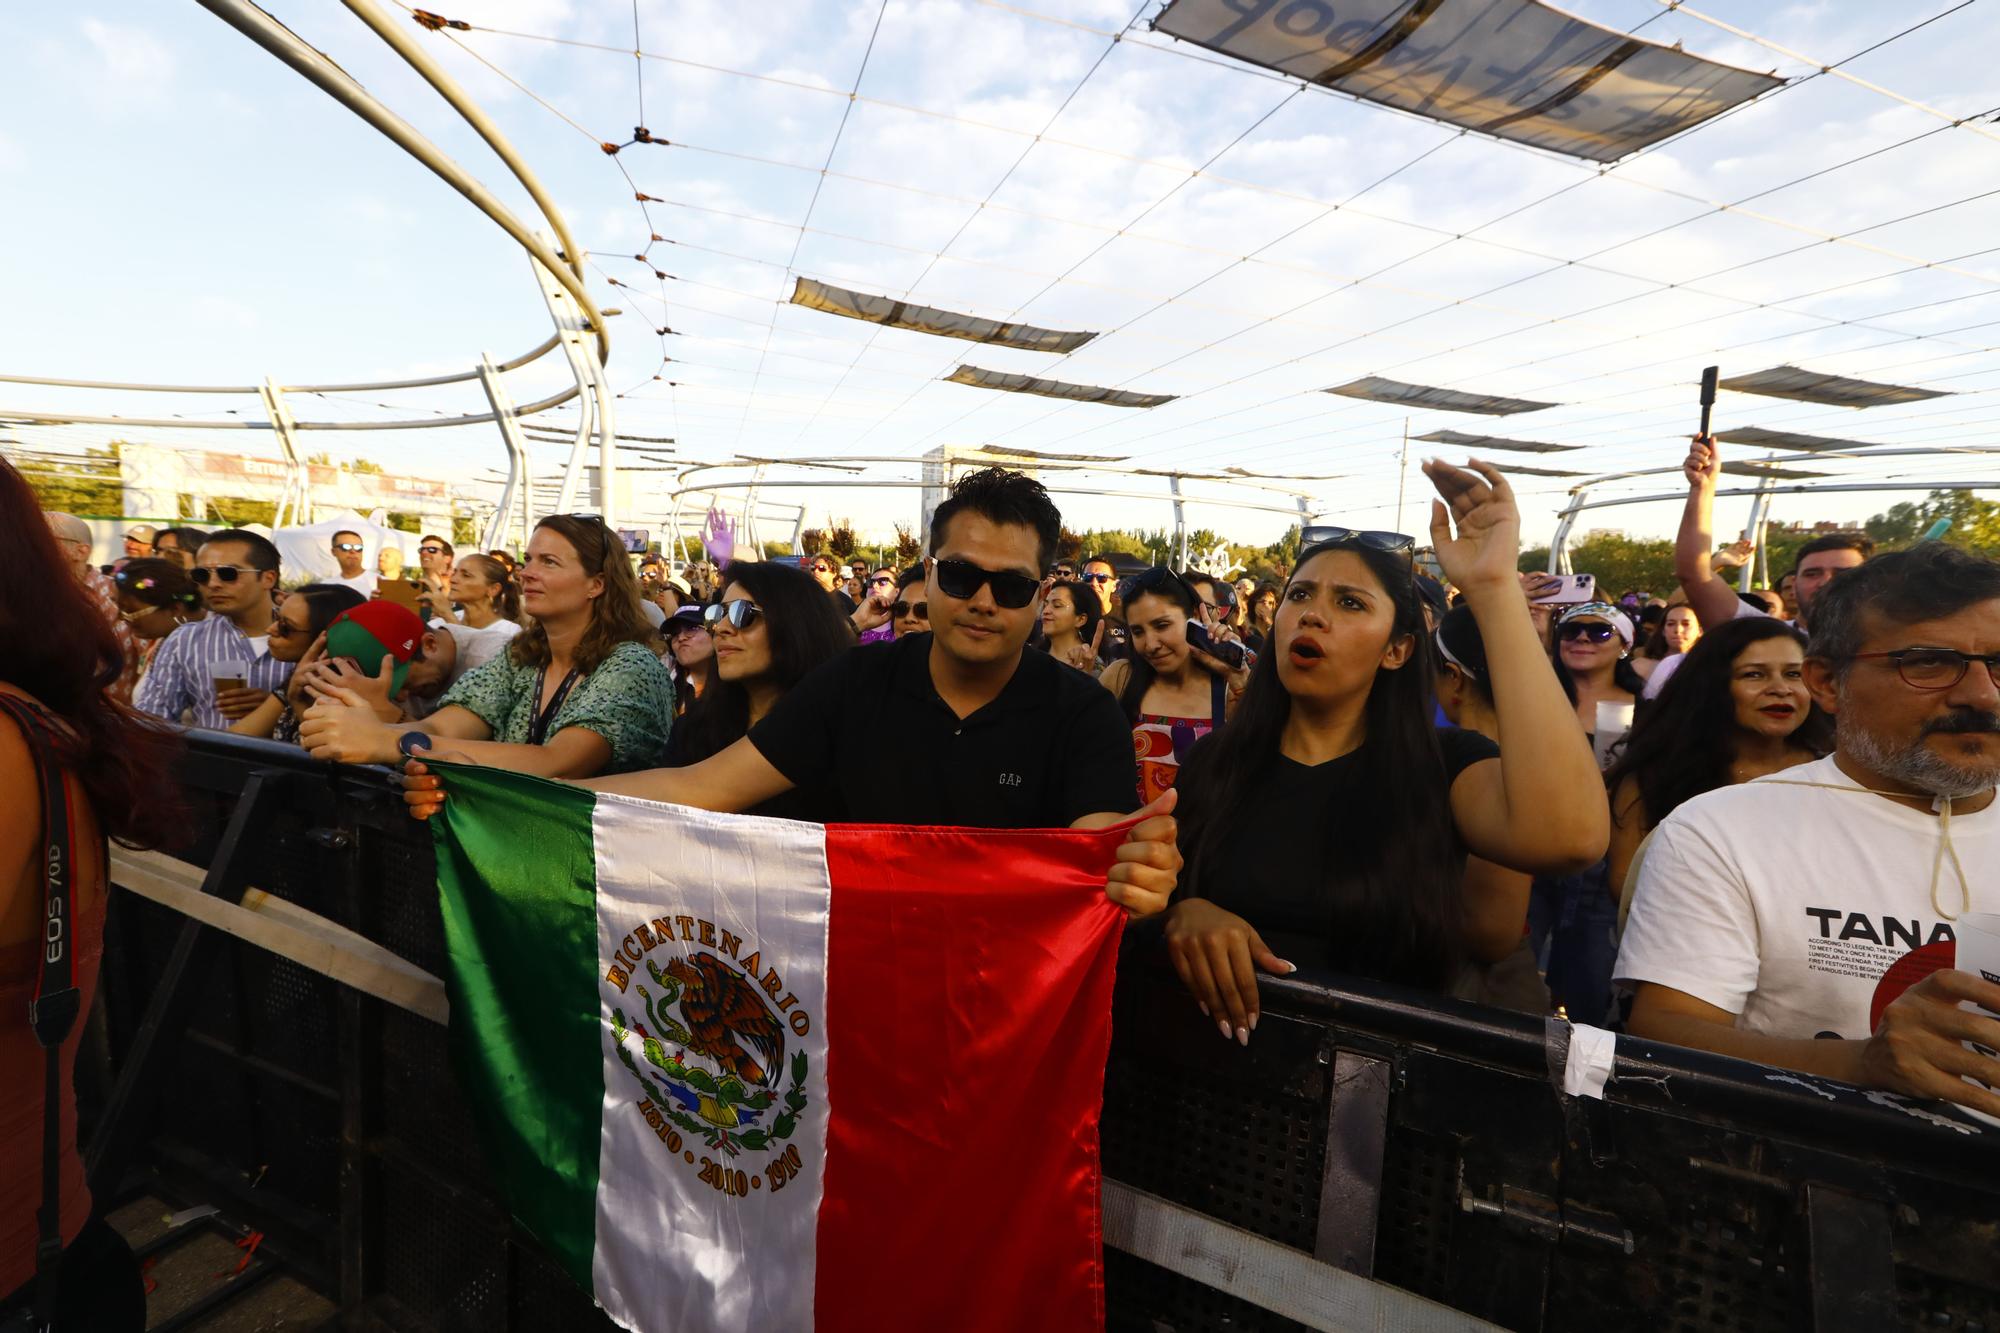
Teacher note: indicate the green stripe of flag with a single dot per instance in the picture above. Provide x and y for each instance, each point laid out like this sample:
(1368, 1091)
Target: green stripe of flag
(521, 939)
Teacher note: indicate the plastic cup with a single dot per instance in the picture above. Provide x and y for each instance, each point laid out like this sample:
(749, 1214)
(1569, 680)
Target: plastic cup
(1978, 952)
(228, 675)
(1613, 721)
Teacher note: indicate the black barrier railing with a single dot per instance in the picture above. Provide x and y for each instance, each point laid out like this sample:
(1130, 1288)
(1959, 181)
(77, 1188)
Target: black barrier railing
(1419, 1142)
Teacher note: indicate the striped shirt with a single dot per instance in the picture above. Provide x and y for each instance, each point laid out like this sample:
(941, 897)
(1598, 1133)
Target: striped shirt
(180, 678)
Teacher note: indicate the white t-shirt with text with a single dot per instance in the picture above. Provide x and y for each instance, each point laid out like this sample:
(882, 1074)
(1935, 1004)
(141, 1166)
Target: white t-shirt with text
(1785, 904)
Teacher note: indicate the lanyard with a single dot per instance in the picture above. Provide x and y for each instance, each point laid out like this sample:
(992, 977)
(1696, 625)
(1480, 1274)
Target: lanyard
(538, 725)
(1942, 805)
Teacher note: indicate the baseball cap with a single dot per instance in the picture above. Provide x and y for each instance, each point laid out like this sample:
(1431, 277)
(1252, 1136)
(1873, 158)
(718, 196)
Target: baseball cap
(372, 630)
(1433, 593)
(688, 617)
(142, 532)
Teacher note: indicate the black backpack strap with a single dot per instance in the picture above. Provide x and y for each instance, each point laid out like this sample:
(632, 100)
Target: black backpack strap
(53, 1011)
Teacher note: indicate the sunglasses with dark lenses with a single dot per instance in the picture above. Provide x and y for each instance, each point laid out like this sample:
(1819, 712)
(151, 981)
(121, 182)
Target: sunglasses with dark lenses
(222, 573)
(961, 580)
(1099, 578)
(738, 613)
(921, 610)
(430, 550)
(348, 546)
(1374, 541)
(1596, 633)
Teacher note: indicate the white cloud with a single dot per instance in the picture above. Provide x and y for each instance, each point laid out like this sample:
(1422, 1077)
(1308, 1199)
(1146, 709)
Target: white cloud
(128, 63)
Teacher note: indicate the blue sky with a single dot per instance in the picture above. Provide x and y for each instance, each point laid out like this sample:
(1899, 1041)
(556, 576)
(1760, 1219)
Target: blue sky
(183, 208)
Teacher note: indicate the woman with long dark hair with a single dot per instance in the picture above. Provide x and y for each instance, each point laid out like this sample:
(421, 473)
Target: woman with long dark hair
(302, 617)
(1676, 632)
(1071, 613)
(1331, 813)
(1172, 692)
(1737, 709)
(58, 657)
(578, 692)
(773, 625)
(1259, 612)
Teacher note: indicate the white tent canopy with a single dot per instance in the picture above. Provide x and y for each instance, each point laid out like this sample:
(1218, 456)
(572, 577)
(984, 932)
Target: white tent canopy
(307, 552)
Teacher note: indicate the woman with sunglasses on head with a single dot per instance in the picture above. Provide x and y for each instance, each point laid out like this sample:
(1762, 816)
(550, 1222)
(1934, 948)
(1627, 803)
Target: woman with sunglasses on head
(773, 625)
(1374, 808)
(1071, 617)
(155, 597)
(1593, 662)
(302, 618)
(577, 692)
(1173, 693)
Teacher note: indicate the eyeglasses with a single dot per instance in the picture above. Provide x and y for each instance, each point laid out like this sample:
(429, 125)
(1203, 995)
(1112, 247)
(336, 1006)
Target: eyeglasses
(740, 614)
(348, 546)
(1374, 541)
(280, 630)
(1099, 578)
(1577, 629)
(903, 610)
(430, 550)
(961, 581)
(1062, 572)
(1935, 668)
(223, 573)
(889, 579)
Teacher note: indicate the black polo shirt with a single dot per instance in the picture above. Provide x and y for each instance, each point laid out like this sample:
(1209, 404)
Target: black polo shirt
(1052, 747)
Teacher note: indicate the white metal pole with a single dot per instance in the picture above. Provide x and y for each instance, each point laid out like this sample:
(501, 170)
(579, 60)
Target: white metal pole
(294, 502)
(1402, 473)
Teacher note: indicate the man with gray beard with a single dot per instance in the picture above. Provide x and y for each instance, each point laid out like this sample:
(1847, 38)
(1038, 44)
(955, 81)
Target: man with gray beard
(1799, 951)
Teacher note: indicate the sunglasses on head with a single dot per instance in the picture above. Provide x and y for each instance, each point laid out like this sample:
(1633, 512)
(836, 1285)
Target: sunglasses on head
(1596, 632)
(1388, 542)
(739, 613)
(222, 573)
(921, 610)
(961, 580)
(348, 546)
(1158, 579)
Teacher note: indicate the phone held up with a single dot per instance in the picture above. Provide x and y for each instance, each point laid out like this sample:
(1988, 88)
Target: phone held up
(1568, 589)
(1223, 651)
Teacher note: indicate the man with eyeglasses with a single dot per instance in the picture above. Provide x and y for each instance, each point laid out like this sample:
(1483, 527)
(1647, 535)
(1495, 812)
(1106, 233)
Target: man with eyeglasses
(987, 736)
(220, 668)
(348, 550)
(1800, 951)
(434, 556)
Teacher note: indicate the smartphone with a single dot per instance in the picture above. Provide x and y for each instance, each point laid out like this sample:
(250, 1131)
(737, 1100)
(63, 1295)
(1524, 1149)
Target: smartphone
(1570, 588)
(636, 539)
(400, 591)
(1222, 650)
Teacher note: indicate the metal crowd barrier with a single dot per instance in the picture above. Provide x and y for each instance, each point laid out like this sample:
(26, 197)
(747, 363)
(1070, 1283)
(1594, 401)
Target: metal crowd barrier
(1374, 1158)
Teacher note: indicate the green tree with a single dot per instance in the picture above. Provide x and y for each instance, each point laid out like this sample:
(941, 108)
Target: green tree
(464, 533)
(1975, 523)
(242, 513)
(90, 487)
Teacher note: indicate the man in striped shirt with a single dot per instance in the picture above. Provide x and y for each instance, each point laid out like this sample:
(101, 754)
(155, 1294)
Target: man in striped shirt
(237, 572)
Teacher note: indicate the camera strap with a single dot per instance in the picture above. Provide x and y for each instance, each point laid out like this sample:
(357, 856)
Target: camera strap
(53, 1010)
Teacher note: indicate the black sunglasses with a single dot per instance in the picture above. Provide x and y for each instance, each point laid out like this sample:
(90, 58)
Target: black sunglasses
(1596, 633)
(430, 550)
(1374, 541)
(349, 546)
(961, 580)
(738, 613)
(921, 610)
(1099, 578)
(222, 573)
(1158, 579)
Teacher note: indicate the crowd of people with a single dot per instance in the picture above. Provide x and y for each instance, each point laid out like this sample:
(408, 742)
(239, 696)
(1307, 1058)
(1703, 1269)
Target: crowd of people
(1715, 818)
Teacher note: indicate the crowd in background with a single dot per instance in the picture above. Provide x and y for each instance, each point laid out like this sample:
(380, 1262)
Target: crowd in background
(1715, 817)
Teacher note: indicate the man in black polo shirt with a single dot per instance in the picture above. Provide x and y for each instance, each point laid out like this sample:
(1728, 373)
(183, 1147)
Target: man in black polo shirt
(955, 727)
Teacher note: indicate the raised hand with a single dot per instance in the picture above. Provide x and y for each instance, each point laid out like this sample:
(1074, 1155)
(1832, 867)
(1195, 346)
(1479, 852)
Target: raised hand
(1084, 656)
(718, 538)
(1476, 500)
(1703, 465)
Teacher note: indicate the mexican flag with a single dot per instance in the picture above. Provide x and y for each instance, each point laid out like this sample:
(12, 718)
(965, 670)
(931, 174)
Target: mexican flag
(744, 1073)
